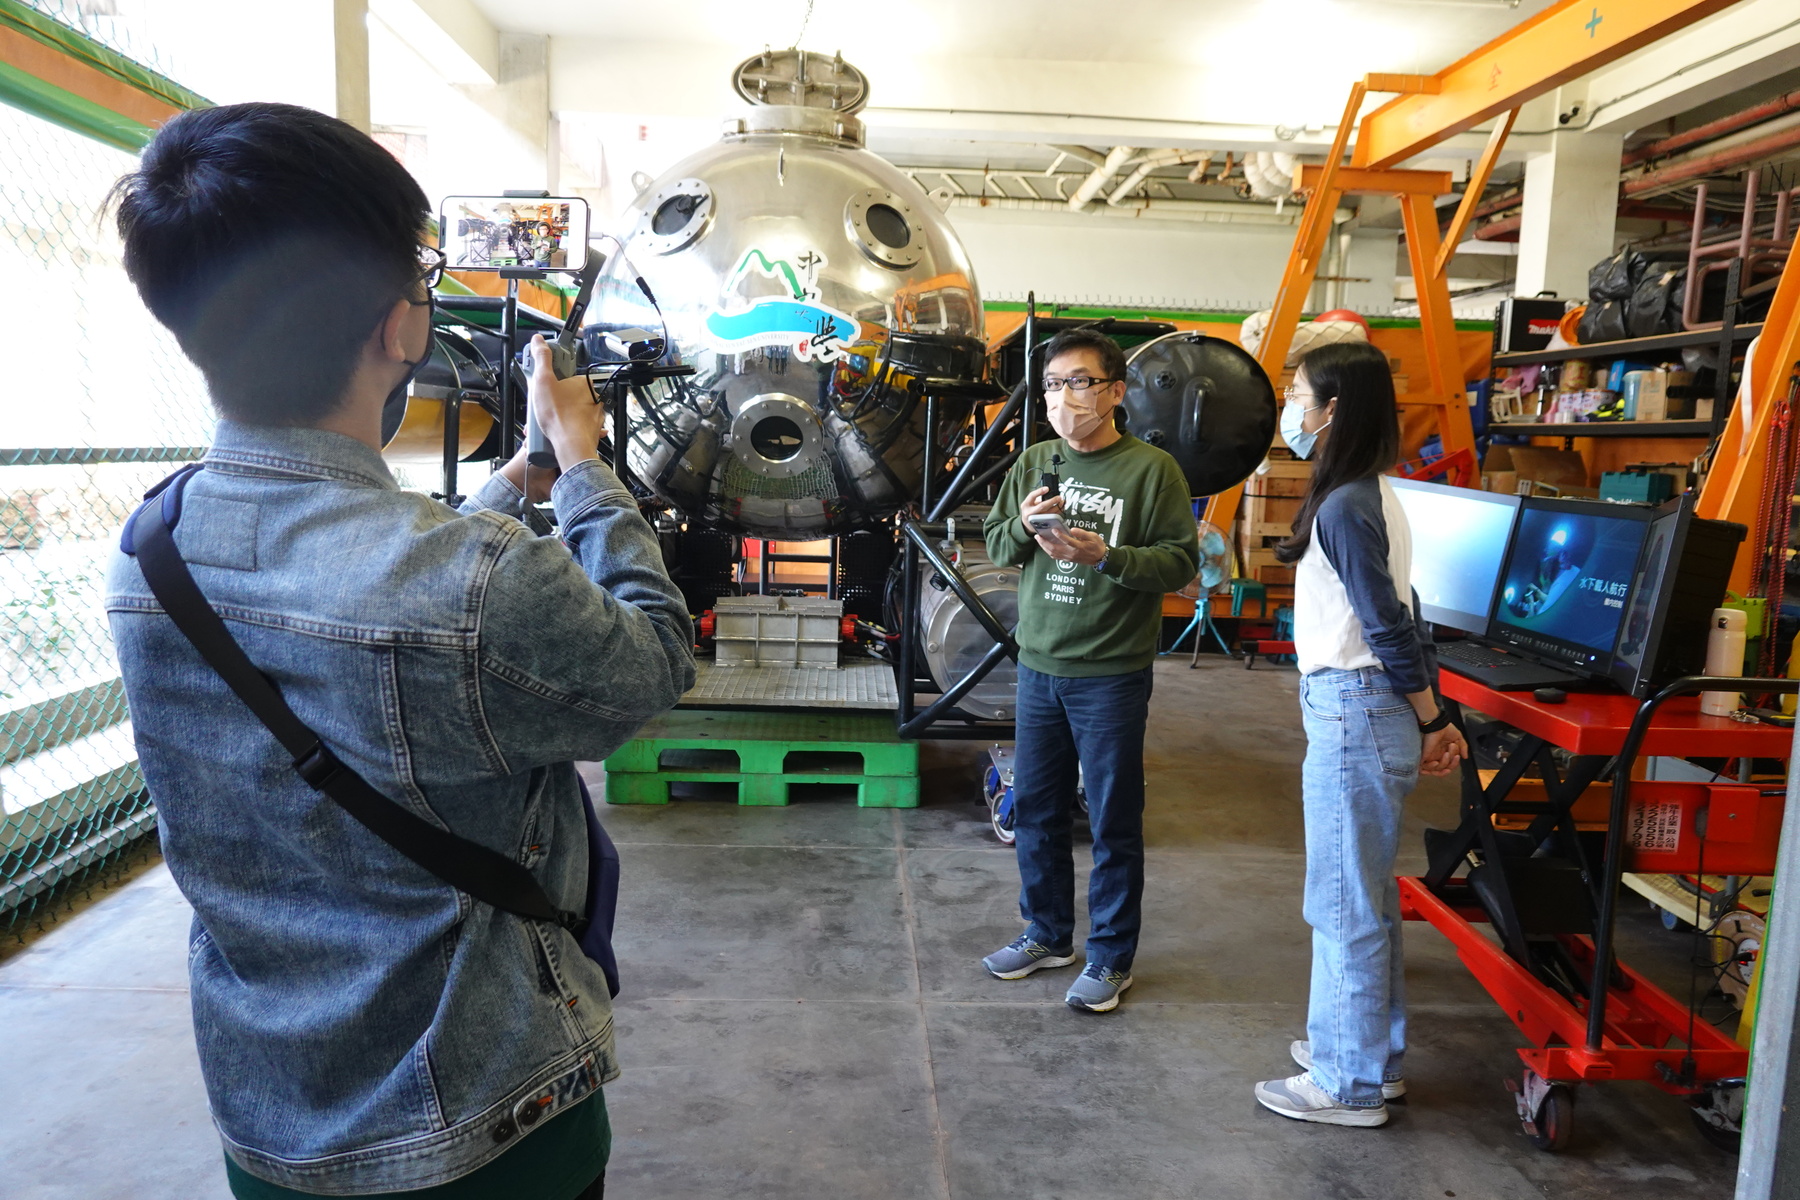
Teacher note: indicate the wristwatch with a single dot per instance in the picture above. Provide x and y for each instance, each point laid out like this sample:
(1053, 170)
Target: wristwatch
(1100, 567)
(1436, 723)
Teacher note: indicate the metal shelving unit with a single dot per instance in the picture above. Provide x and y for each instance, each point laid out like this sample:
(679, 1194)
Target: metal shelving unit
(1606, 429)
(1630, 347)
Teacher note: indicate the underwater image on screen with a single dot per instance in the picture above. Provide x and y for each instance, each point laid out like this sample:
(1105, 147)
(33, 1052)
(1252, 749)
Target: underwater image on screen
(1569, 576)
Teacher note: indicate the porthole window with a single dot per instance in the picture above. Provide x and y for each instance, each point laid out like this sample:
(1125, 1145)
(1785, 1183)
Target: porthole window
(674, 217)
(885, 227)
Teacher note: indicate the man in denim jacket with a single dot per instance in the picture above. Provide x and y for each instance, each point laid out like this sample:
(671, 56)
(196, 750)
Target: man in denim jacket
(364, 1027)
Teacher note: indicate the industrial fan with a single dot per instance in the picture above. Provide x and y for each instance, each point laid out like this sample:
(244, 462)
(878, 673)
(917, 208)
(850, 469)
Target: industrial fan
(1213, 577)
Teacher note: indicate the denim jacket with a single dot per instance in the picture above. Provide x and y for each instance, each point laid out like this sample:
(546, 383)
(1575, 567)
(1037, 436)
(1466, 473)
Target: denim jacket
(362, 1026)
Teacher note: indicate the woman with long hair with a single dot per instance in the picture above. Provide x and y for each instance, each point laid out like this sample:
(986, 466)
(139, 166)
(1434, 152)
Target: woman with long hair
(1373, 724)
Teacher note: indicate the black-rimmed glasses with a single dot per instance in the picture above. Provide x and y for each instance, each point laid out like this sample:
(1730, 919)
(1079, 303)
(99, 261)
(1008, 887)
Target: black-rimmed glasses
(431, 265)
(1075, 383)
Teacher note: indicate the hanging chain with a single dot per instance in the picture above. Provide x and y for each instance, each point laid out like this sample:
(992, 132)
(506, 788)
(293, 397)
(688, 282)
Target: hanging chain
(804, 22)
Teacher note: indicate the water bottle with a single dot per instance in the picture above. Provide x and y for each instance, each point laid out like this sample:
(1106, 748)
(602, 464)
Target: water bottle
(1724, 656)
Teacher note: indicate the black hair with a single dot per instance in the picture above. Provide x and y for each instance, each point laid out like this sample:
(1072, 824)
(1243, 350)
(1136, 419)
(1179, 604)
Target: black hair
(1112, 359)
(1365, 429)
(271, 239)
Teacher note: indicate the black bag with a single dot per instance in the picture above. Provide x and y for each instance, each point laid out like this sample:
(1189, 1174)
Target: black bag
(1655, 306)
(484, 874)
(1615, 278)
(1602, 323)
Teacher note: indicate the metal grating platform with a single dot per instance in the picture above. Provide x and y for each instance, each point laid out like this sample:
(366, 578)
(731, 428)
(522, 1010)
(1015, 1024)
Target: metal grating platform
(857, 684)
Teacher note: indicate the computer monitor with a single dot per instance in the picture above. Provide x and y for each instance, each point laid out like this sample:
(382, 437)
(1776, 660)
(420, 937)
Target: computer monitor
(1681, 577)
(1567, 580)
(1459, 538)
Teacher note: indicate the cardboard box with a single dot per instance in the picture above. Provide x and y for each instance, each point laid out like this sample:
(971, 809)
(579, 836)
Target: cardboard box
(1654, 401)
(1545, 464)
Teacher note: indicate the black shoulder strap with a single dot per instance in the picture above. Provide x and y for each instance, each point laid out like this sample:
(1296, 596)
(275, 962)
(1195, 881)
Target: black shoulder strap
(484, 874)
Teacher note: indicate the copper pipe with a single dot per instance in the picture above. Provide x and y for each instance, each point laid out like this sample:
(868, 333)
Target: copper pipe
(1708, 164)
(1768, 110)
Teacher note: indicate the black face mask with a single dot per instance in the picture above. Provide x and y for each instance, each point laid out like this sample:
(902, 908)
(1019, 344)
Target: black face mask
(393, 409)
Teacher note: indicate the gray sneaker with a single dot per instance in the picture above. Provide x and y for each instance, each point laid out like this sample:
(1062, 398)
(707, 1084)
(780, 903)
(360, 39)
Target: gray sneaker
(1300, 1099)
(1097, 990)
(1391, 1089)
(1022, 956)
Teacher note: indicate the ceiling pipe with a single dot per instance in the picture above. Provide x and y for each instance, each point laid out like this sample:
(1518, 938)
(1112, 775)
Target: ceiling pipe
(1090, 187)
(1756, 114)
(1212, 211)
(1699, 166)
(1162, 158)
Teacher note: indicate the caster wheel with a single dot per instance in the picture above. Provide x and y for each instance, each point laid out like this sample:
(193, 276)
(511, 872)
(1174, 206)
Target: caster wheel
(999, 805)
(1669, 920)
(1555, 1121)
(1718, 1114)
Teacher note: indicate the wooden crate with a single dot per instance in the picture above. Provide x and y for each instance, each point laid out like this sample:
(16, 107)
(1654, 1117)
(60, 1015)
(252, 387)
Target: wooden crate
(1259, 564)
(1279, 477)
(1267, 516)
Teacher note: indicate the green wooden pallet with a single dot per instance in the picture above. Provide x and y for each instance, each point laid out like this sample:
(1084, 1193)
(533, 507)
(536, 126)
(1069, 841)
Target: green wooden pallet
(765, 753)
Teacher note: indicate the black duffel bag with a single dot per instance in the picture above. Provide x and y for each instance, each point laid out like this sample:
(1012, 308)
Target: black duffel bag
(1602, 323)
(1655, 305)
(1617, 277)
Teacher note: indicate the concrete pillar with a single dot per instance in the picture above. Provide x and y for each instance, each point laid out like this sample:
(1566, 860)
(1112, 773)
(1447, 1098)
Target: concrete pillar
(523, 99)
(1571, 203)
(350, 40)
(1769, 1163)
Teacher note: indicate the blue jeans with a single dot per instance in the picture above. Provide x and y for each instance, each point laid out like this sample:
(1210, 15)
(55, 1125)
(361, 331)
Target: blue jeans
(1362, 758)
(1099, 723)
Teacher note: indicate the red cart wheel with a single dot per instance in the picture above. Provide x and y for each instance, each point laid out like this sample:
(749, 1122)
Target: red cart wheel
(1555, 1122)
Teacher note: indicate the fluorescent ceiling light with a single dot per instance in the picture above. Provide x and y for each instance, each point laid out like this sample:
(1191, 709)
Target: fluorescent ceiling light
(429, 41)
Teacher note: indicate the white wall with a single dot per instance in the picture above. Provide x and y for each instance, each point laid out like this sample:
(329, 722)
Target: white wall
(1092, 260)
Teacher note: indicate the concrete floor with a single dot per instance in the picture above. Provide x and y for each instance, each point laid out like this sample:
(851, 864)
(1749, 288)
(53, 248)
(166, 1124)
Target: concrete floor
(805, 1015)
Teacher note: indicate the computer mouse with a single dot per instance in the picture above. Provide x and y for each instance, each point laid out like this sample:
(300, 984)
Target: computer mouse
(1549, 695)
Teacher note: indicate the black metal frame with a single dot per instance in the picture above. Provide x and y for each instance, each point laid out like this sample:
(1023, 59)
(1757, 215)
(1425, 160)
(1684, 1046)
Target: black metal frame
(918, 541)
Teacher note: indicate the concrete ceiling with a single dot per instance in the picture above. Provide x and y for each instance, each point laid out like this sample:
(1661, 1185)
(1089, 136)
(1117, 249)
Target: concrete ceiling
(1413, 35)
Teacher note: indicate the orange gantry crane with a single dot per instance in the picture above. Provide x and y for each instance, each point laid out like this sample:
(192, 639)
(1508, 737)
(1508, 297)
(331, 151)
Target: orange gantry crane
(1565, 41)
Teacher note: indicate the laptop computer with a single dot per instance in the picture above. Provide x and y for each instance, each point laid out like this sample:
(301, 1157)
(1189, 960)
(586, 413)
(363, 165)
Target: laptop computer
(1540, 585)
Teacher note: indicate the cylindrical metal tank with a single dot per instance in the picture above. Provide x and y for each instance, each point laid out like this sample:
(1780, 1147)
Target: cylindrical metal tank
(814, 287)
(954, 641)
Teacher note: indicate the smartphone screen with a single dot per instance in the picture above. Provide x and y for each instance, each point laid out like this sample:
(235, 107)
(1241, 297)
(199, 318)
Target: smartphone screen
(488, 233)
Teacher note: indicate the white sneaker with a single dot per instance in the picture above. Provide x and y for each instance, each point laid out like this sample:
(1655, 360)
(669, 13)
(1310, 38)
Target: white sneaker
(1300, 1099)
(1391, 1089)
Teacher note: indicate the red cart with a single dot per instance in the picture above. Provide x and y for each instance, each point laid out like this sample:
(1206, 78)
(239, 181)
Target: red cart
(1553, 910)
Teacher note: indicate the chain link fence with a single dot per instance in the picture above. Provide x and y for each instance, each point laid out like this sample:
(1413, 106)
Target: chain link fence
(101, 405)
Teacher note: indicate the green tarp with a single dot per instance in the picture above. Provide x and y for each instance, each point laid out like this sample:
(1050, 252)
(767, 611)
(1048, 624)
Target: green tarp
(61, 107)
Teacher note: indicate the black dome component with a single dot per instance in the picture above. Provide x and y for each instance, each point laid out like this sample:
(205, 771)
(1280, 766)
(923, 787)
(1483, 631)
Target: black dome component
(1205, 401)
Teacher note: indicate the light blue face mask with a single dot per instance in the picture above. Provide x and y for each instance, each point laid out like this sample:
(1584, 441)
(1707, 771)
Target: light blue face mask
(1292, 432)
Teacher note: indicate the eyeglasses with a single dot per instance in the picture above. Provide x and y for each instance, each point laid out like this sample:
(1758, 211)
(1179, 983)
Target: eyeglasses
(431, 265)
(1075, 383)
(1291, 394)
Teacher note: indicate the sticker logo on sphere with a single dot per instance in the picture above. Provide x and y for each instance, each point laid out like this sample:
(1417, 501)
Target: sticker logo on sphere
(798, 320)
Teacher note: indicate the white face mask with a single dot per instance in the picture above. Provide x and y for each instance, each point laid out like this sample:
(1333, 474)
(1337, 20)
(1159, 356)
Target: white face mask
(1293, 430)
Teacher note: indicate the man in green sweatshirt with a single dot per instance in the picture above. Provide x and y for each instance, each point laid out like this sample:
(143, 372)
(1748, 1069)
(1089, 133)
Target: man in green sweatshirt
(1090, 607)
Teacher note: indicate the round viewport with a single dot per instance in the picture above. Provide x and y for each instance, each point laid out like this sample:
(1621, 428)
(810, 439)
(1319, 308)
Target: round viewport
(673, 214)
(777, 438)
(886, 223)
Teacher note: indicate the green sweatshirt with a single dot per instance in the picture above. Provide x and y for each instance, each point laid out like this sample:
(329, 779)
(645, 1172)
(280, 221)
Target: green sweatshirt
(1073, 620)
